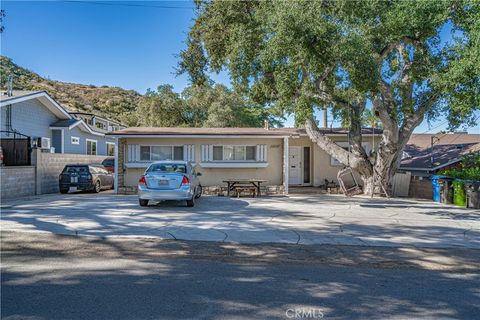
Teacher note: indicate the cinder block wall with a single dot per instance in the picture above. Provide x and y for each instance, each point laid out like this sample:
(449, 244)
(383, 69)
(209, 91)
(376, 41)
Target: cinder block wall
(17, 182)
(50, 165)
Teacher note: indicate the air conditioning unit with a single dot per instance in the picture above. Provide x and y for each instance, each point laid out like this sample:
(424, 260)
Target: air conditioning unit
(44, 143)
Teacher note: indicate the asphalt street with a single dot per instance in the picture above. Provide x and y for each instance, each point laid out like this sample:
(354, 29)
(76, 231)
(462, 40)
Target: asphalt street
(58, 277)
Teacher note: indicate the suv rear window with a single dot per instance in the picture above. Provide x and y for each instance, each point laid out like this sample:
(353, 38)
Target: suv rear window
(76, 169)
(168, 168)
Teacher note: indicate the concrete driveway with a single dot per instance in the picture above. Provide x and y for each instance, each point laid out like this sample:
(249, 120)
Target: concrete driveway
(306, 219)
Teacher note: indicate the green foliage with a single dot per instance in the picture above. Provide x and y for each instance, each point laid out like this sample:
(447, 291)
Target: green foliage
(469, 168)
(161, 108)
(196, 106)
(201, 106)
(369, 119)
(296, 56)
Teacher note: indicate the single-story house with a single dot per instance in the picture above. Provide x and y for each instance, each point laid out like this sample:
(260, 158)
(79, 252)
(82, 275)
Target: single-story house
(426, 154)
(37, 115)
(284, 157)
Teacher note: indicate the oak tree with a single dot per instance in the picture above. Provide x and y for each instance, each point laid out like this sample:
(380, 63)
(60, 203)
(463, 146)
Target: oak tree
(410, 60)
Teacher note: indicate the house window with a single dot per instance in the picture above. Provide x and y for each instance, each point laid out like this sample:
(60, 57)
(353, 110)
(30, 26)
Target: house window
(233, 153)
(110, 149)
(75, 140)
(91, 147)
(334, 162)
(157, 153)
(344, 145)
(100, 125)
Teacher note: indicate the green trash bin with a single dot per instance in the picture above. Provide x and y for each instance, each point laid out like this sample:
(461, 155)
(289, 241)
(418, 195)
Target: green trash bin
(459, 195)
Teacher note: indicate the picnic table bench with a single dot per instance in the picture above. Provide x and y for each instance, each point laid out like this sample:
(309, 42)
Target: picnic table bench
(239, 185)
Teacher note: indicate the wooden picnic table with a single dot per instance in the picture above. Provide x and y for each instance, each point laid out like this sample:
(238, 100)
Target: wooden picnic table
(232, 184)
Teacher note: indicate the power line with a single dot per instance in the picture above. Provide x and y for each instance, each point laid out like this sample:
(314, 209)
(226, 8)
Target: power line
(126, 4)
(439, 125)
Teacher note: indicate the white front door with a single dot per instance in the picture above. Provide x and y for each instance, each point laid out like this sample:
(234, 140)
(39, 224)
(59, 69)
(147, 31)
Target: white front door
(295, 165)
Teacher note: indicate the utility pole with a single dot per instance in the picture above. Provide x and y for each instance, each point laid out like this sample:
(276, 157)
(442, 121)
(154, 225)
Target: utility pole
(433, 140)
(325, 117)
(10, 85)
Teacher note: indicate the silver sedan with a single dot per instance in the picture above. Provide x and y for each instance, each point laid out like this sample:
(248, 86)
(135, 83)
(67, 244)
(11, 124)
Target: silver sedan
(169, 180)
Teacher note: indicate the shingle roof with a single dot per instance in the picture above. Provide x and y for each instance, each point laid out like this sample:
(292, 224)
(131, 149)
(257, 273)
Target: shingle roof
(449, 147)
(64, 123)
(228, 131)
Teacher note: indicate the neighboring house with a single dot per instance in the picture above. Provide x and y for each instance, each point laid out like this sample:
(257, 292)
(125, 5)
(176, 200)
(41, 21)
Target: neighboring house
(426, 154)
(100, 124)
(37, 115)
(284, 157)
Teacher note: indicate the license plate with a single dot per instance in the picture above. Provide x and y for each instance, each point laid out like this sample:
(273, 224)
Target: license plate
(72, 189)
(73, 179)
(162, 182)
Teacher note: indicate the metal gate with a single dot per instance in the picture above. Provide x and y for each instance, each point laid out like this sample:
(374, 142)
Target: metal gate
(16, 150)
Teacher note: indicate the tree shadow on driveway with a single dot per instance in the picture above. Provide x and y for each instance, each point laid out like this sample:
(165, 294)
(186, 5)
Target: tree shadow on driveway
(60, 277)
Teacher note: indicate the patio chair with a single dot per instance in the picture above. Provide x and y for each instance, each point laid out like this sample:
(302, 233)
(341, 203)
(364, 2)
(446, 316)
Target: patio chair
(348, 191)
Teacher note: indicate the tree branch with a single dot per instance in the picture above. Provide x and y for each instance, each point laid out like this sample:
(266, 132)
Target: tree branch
(333, 149)
(412, 120)
(355, 130)
(394, 45)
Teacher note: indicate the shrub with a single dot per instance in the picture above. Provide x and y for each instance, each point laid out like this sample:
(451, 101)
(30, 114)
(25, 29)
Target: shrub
(469, 168)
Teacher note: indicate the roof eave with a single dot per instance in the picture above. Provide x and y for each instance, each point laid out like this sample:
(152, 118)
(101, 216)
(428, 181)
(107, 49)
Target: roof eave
(45, 99)
(121, 135)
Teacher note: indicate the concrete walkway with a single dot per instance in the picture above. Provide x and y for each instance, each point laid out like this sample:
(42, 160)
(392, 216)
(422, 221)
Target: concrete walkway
(309, 219)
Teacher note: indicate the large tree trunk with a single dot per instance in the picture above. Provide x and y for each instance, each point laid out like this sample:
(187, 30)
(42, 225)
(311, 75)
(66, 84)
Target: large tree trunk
(387, 158)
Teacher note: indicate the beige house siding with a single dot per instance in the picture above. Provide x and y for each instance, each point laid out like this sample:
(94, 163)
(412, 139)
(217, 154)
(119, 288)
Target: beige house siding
(321, 163)
(273, 172)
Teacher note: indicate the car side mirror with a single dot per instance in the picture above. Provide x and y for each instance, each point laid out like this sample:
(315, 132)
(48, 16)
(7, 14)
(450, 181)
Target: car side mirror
(199, 174)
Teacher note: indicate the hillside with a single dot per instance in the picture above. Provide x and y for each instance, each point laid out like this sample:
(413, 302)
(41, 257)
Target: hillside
(111, 102)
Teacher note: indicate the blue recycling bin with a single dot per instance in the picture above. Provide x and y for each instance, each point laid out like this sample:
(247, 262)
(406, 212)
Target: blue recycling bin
(436, 187)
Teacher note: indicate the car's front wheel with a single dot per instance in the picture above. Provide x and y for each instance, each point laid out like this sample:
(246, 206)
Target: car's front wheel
(63, 191)
(143, 202)
(97, 187)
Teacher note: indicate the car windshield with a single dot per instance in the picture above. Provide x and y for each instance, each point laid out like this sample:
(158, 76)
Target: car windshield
(77, 169)
(167, 168)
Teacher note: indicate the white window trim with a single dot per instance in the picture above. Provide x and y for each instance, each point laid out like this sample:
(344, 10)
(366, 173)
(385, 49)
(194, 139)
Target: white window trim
(86, 147)
(139, 153)
(71, 140)
(234, 161)
(335, 163)
(106, 148)
(232, 164)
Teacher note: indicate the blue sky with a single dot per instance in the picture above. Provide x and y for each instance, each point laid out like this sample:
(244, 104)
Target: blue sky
(126, 44)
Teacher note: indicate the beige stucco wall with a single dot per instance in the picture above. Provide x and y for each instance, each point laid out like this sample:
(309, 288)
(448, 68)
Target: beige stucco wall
(321, 167)
(273, 173)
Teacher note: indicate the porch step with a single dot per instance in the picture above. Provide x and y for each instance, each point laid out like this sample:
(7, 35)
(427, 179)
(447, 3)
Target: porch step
(306, 190)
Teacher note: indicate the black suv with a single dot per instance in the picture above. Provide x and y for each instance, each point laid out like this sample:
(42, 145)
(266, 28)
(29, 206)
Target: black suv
(85, 177)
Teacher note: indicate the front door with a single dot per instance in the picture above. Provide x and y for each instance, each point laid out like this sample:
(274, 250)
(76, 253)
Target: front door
(295, 165)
